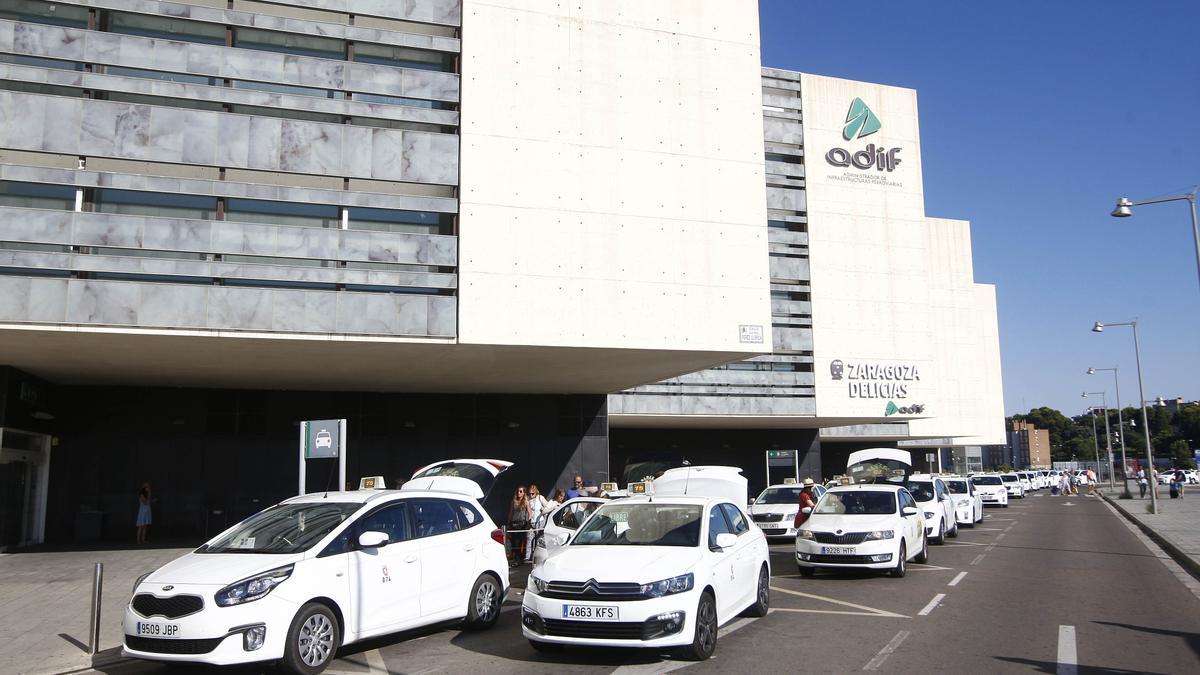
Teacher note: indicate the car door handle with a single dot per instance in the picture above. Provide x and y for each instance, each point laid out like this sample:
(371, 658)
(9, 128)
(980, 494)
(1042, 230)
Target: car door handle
(411, 559)
(468, 547)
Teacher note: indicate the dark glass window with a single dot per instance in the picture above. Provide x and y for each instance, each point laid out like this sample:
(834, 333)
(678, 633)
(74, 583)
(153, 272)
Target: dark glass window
(158, 75)
(432, 517)
(717, 524)
(736, 518)
(155, 204)
(468, 516)
(283, 213)
(22, 60)
(35, 11)
(37, 195)
(391, 520)
(165, 28)
(289, 43)
(403, 57)
(388, 220)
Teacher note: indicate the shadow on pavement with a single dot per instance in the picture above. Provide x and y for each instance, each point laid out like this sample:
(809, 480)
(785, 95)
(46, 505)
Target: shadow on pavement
(1192, 639)
(1052, 667)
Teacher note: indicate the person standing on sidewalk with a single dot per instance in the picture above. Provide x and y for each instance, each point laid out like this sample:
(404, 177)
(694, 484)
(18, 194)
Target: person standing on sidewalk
(1091, 482)
(143, 515)
(1142, 483)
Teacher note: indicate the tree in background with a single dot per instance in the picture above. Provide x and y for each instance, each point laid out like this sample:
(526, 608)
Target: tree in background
(1173, 435)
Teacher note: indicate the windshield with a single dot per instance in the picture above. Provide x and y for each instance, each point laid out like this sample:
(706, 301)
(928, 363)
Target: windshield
(922, 491)
(641, 524)
(1009, 479)
(958, 487)
(287, 528)
(787, 495)
(857, 503)
(986, 480)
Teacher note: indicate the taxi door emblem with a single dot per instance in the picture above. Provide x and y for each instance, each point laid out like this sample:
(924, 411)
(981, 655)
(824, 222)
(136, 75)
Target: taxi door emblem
(386, 577)
(167, 588)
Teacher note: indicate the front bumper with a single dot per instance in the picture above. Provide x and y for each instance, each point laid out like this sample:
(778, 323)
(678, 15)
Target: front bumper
(867, 555)
(641, 623)
(213, 635)
(965, 514)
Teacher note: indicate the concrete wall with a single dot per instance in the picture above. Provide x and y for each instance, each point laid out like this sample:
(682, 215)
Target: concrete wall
(612, 175)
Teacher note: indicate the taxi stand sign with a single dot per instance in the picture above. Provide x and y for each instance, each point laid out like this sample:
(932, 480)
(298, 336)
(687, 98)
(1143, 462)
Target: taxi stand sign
(321, 439)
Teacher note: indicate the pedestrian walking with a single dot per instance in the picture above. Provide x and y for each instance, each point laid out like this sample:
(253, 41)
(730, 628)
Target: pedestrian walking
(143, 515)
(1091, 482)
(1142, 483)
(538, 509)
(807, 500)
(518, 519)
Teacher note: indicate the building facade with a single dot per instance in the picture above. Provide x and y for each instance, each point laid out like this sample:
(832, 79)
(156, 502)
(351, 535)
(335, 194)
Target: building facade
(469, 227)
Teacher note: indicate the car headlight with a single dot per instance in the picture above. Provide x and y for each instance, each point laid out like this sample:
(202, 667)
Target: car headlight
(253, 588)
(140, 580)
(680, 584)
(536, 584)
(880, 534)
(929, 514)
(964, 502)
(805, 534)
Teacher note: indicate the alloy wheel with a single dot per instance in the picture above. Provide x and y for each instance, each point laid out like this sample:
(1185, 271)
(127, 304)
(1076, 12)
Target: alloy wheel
(316, 640)
(706, 626)
(485, 601)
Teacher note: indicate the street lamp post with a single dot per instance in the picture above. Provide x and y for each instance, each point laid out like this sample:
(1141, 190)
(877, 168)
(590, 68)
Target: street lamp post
(1137, 355)
(1124, 209)
(1125, 494)
(1107, 434)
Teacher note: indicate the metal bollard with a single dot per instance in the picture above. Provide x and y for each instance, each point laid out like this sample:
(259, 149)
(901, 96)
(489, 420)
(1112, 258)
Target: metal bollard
(94, 630)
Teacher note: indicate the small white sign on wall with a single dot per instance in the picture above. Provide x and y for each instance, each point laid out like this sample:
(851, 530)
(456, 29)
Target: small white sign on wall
(750, 333)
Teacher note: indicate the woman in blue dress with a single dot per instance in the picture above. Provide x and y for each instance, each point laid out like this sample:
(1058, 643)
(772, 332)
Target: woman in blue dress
(143, 515)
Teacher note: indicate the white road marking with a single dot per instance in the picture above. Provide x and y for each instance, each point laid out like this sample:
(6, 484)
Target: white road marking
(987, 529)
(1000, 536)
(961, 544)
(957, 578)
(978, 559)
(668, 666)
(932, 604)
(887, 650)
(1068, 660)
(869, 611)
(918, 567)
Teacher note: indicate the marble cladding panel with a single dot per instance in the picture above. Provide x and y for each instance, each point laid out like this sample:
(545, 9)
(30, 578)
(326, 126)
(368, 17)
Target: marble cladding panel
(159, 305)
(47, 226)
(239, 64)
(793, 339)
(786, 199)
(783, 131)
(660, 404)
(778, 168)
(134, 131)
(443, 316)
(446, 12)
(789, 268)
(196, 186)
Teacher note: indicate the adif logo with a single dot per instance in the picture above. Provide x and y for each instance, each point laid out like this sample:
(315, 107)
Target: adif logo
(860, 121)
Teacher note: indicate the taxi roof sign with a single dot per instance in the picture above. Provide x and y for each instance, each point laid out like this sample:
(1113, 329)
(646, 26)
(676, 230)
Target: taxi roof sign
(641, 488)
(789, 481)
(608, 487)
(372, 483)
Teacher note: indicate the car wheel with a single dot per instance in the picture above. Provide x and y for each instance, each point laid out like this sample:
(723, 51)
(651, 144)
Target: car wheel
(953, 533)
(923, 556)
(1004, 505)
(940, 538)
(807, 572)
(545, 647)
(901, 565)
(704, 640)
(312, 640)
(484, 603)
(762, 600)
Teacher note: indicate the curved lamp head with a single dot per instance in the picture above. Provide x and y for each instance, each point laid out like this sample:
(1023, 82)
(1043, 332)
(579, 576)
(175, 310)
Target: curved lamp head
(1123, 210)
(1098, 328)
(1091, 371)
(1084, 394)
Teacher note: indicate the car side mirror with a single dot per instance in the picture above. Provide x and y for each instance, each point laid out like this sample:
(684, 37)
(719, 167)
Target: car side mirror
(909, 511)
(807, 510)
(725, 540)
(372, 539)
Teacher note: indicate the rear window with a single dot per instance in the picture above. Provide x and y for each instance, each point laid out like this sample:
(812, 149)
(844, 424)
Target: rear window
(1008, 479)
(958, 487)
(986, 480)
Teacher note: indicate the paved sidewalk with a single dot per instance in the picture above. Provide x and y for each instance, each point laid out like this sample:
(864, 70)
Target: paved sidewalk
(45, 598)
(1176, 527)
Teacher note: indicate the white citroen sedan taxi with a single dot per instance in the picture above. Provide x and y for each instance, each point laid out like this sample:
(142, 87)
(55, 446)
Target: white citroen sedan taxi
(665, 569)
(301, 579)
(871, 526)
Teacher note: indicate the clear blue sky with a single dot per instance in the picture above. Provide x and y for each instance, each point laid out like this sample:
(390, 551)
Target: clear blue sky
(1035, 116)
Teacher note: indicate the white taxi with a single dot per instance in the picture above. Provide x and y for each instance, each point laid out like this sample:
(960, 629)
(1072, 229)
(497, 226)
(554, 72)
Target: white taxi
(561, 524)
(968, 503)
(991, 489)
(775, 509)
(299, 580)
(662, 570)
(872, 526)
(1012, 483)
(933, 497)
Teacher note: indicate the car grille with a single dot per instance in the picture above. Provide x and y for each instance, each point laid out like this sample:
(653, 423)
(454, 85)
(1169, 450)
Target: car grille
(773, 533)
(841, 559)
(847, 538)
(592, 590)
(624, 630)
(171, 608)
(767, 517)
(168, 646)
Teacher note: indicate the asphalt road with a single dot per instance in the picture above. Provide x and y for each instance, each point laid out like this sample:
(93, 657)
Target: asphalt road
(1048, 581)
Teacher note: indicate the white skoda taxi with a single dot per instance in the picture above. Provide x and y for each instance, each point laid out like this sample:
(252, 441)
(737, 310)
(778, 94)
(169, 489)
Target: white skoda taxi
(871, 526)
(296, 582)
(664, 570)
(991, 489)
(968, 504)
